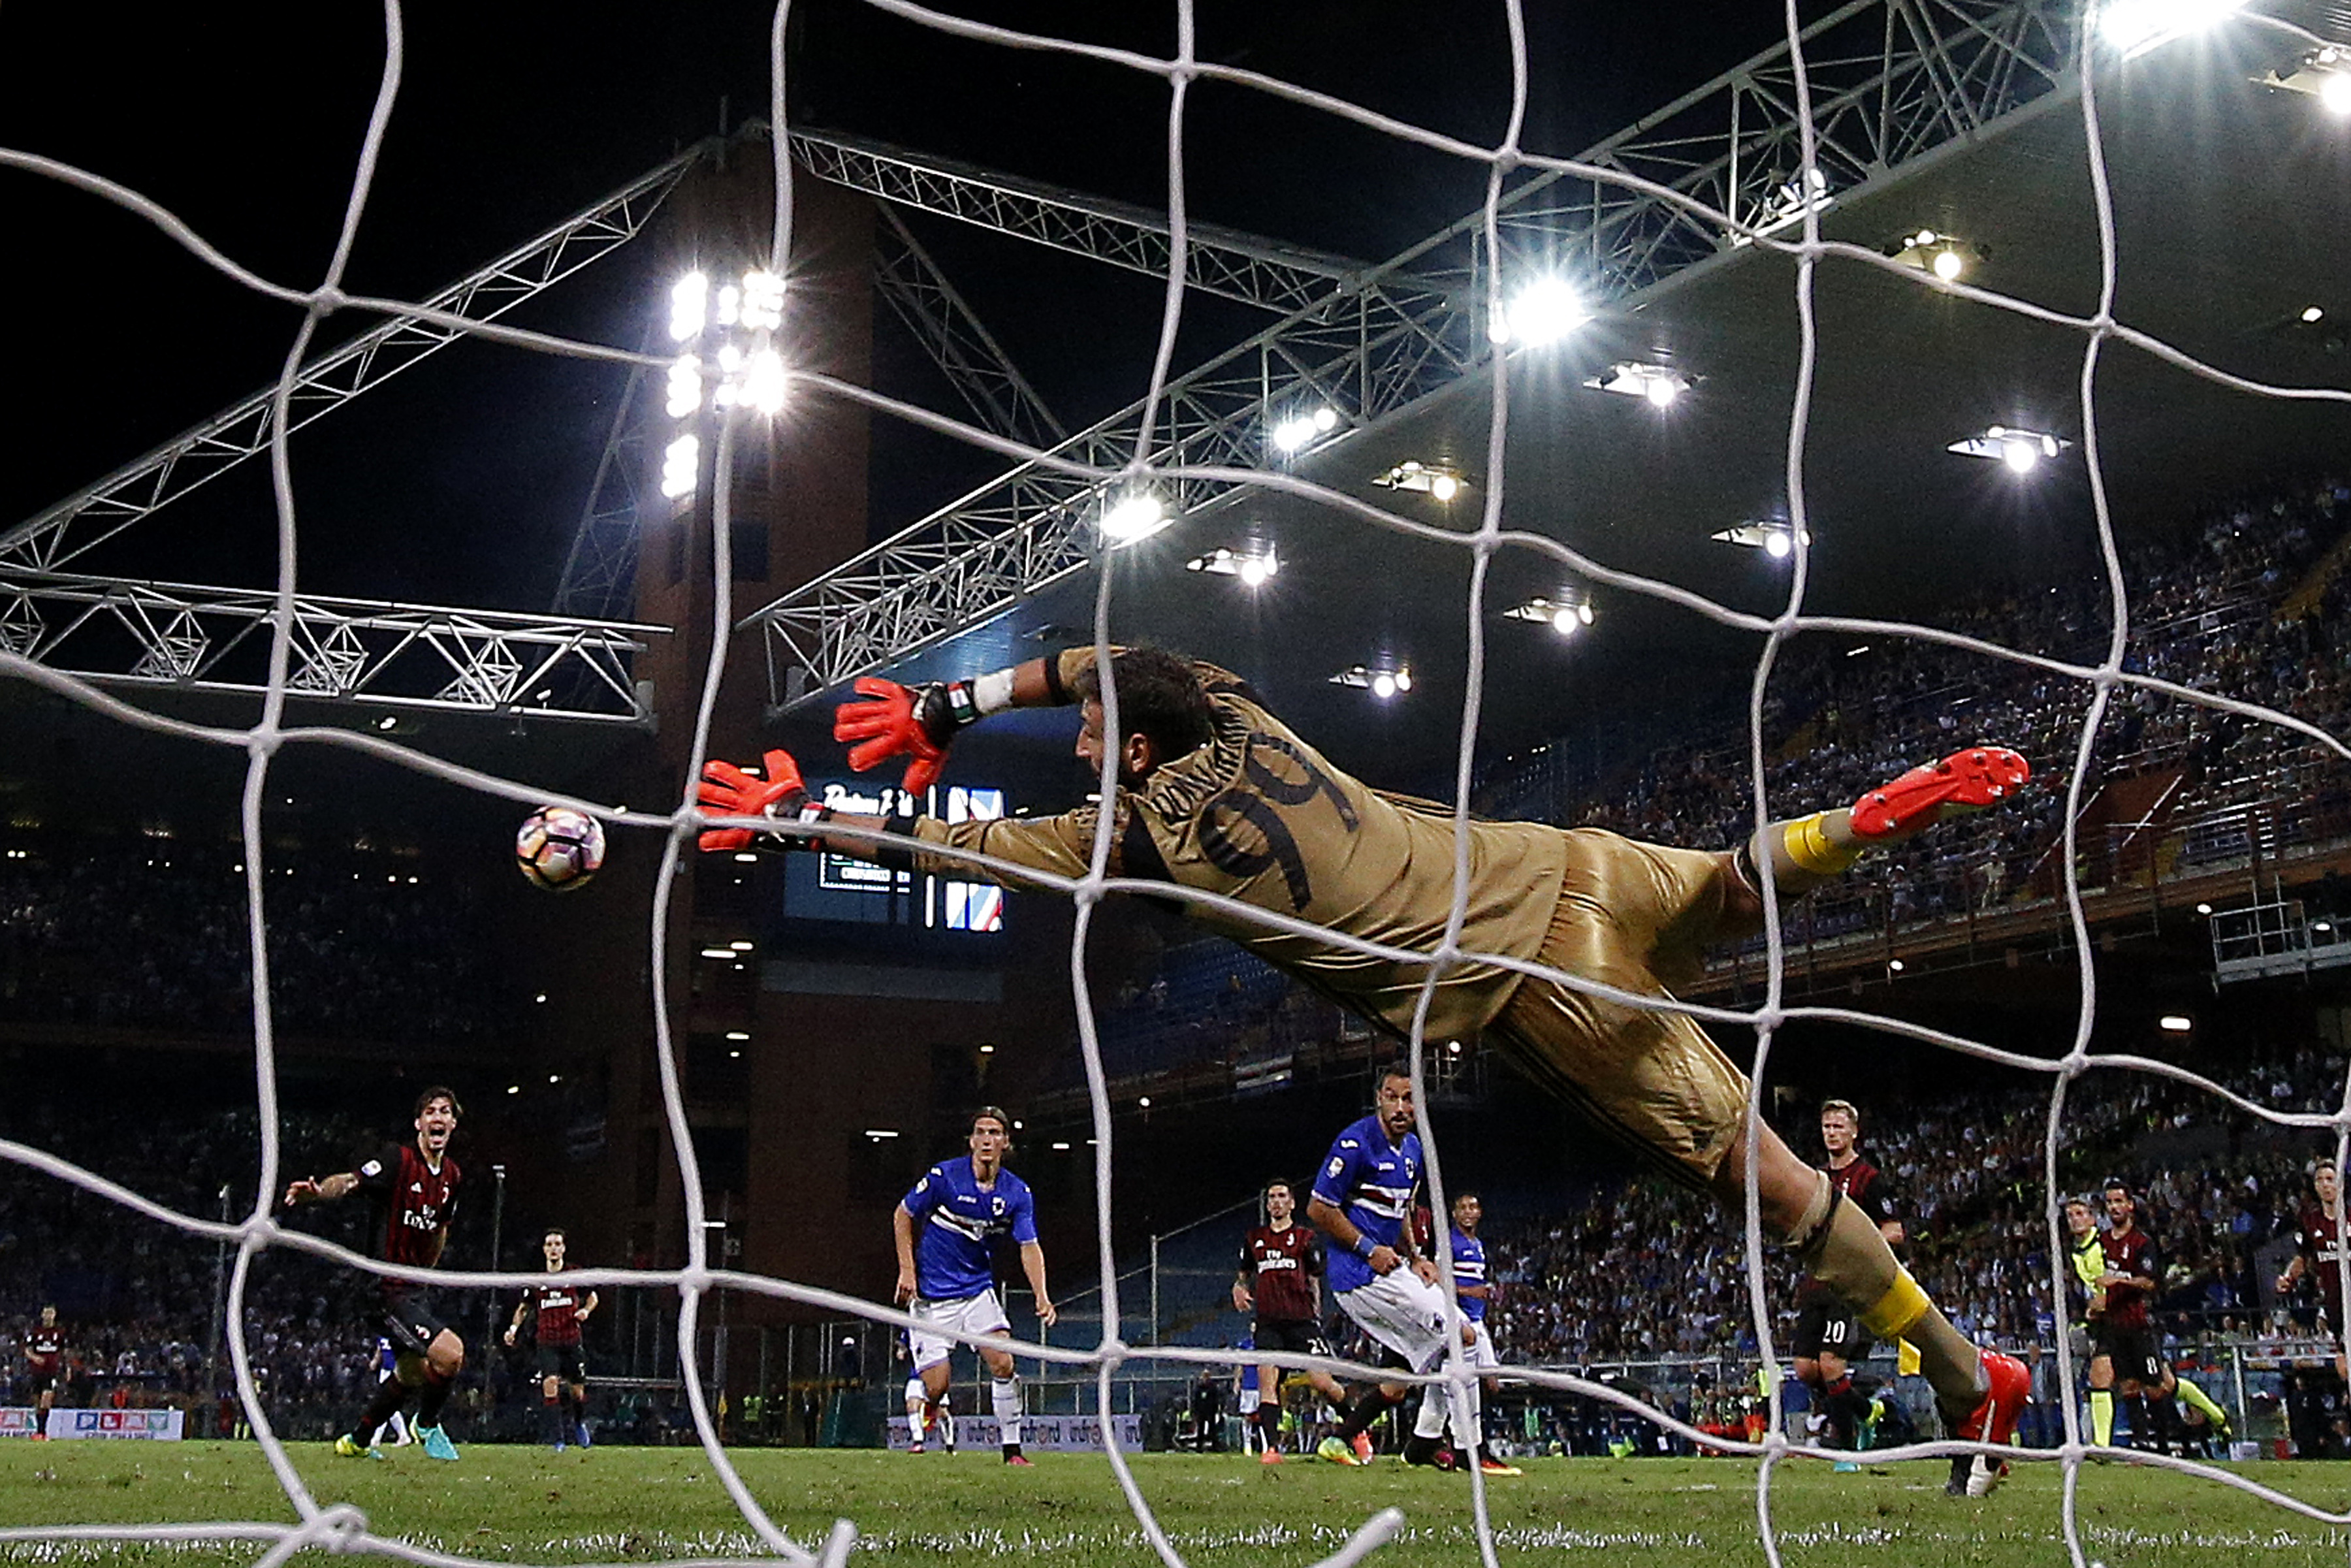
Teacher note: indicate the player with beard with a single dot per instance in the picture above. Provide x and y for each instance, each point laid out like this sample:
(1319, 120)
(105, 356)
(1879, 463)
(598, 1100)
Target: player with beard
(2125, 1354)
(413, 1188)
(1214, 794)
(1363, 1201)
(1281, 1262)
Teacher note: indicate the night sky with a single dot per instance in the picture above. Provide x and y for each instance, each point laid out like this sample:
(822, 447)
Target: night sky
(461, 481)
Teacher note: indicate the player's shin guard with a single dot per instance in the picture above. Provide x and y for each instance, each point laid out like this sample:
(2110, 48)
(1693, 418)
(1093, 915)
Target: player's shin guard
(2102, 1418)
(1850, 1256)
(430, 1400)
(1004, 1397)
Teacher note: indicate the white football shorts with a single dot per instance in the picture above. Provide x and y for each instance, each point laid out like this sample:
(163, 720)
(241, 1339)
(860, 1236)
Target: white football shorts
(965, 1314)
(1404, 1312)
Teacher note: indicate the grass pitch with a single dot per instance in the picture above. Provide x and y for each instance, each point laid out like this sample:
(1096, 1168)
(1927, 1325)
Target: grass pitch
(607, 1505)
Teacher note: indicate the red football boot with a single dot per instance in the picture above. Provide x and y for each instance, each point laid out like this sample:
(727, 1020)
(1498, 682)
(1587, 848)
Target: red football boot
(1993, 1420)
(1964, 781)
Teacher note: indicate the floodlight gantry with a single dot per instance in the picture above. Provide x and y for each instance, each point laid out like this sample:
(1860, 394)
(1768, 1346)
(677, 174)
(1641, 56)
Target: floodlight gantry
(387, 657)
(1273, 276)
(88, 518)
(1892, 81)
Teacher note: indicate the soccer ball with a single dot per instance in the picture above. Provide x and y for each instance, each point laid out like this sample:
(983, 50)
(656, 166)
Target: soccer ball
(559, 848)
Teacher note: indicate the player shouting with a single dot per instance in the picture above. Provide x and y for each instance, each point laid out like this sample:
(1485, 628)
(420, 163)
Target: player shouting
(414, 1186)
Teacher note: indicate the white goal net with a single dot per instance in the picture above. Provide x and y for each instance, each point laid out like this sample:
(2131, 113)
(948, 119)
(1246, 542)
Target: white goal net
(2095, 43)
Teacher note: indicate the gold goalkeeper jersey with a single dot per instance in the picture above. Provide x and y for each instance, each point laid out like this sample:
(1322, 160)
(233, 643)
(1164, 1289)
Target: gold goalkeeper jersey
(1259, 816)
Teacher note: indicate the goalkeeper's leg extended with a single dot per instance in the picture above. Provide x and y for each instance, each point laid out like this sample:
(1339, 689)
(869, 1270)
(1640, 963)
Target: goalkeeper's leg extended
(1639, 921)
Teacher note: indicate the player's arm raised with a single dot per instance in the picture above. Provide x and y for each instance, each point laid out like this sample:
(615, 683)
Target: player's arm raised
(920, 723)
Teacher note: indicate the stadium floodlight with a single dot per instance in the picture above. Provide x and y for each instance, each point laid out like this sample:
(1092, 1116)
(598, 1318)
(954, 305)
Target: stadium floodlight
(880, 1134)
(2135, 27)
(718, 952)
(689, 307)
(739, 946)
(1566, 613)
(763, 381)
(2021, 451)
(681, 467)
(1439, 481)
(1253, 566)
(2176, 1023)
(1543, 311)
(739, 1034)
(1382, 681)
(1948, 257)
(1660, 384)
(747, 858)
(685, 387)
(2203, 909)
(2335, 94)
(1775, 539)
(1136, 516)
(2313, 315)
(1301, 429)
(763, 300)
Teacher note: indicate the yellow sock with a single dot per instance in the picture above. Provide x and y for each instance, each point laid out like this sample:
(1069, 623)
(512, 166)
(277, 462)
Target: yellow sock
(2102, 1418)
(2203, 1401)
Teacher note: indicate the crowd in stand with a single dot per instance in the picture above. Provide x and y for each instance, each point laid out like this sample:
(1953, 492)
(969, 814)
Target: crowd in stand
(151, 932)
(1643, 1271)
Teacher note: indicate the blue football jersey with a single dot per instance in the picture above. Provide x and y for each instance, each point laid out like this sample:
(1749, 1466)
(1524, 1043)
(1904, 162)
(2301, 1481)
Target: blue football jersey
(1372, 1184)
(955, 1251)
(1469, 1269)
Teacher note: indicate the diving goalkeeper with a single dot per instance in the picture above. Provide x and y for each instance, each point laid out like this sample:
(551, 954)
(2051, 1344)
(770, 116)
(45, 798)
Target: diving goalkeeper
(1217, 794)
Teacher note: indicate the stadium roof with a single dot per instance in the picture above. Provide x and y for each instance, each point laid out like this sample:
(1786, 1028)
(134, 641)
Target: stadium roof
(2232, 215)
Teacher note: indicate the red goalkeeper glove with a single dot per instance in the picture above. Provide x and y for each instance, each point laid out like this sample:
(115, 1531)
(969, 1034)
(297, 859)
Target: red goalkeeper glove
(730, 791)
(915, 722)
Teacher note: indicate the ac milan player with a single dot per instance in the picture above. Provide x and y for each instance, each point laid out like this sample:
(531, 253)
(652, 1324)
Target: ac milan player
(562, 1312)
(1829, 1339)
(45, 1353)
(1281, 1261)
(2318, 1250)
(2124, 1351)
(413, 1188)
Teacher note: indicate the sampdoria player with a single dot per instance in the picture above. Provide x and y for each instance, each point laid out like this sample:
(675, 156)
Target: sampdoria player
(414, 1186)
(1362, 1200)
(947, 1277)
(562, 1312)
(1281, 1266)
(1217, 795)
(1474, 1288)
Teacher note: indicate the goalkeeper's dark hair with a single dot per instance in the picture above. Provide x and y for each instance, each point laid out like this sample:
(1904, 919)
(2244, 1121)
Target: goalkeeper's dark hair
(1159, 695)
(440, 1092)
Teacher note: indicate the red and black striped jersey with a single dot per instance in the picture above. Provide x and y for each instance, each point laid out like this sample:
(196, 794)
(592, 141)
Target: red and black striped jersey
(1281, 1266)
(1871, 1191)
(2319, 1238)
(44, 1347)
(2130, 1252)
(414, 1203)
(557, 1308)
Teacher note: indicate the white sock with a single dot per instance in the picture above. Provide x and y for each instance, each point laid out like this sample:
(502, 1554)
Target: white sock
(1003, 1392)
(1430, 1420)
